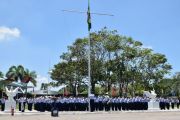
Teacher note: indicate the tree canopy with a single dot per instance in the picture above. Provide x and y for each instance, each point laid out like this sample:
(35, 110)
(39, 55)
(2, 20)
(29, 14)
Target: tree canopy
(116, 61)
(18, 74)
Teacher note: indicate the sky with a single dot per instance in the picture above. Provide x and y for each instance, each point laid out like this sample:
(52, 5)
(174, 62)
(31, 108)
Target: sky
(35, 33)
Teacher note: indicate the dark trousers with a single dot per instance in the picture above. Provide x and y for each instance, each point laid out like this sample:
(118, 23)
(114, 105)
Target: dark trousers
(92, 105)
(96, 106)
(19, 106)
(167, 105)
(22, 106)
(2, 106)
(100, 106)
(30, 106)
(177, 105)
(172, 105)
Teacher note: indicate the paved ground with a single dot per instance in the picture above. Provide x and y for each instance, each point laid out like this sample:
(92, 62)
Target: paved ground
(140, 115)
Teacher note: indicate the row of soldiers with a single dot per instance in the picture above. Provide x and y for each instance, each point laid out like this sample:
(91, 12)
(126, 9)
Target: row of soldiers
(99, 103)
(167, 103)
(118, 104)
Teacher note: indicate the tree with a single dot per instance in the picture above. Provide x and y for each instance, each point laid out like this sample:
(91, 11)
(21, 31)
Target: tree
(164, 87)
(155, 68)
(116, 60)
(20, 74)
(176, 84)
(15, 73)
(29, 76)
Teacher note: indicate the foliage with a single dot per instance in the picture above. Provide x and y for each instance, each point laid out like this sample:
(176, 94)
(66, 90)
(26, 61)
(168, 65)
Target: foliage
(1, 75)
(44, 86)
(163, 88)
(176, 84)
(116, 60)
(19, 73)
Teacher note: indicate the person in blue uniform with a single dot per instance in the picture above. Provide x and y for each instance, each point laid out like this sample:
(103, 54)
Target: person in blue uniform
(2, 103)
(100, 99)
(172, 103)
(30, 103)
(167, 103)
(177, 103)
(92, 105)
(22, 103)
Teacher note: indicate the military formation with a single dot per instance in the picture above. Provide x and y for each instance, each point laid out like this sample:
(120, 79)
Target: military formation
(168, 103)
(98, 103)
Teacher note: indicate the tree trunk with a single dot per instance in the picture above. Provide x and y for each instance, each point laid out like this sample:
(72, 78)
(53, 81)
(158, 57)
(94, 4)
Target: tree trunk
(133, 88)
(108, 82)
(126, 92)
(109, 87)
(71, 87)
(120, 89)
(109, 75)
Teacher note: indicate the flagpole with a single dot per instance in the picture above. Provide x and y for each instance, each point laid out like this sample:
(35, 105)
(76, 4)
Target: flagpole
(89, 69)
(89, 53)
(89, 44)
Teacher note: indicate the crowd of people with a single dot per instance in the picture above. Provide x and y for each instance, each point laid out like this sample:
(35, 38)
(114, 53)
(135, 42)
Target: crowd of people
(99, 103)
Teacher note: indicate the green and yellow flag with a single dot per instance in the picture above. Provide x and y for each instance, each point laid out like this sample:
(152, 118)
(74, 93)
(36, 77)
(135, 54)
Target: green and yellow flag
(89, 17)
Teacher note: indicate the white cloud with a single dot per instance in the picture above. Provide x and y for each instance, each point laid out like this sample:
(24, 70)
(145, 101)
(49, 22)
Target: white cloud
(40, 79)
(7, 33)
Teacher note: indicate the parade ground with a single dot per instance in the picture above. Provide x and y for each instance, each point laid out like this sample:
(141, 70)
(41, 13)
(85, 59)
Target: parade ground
(128, 115)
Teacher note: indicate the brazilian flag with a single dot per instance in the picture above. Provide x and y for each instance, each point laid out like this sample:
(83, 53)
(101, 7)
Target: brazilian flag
(89, 17)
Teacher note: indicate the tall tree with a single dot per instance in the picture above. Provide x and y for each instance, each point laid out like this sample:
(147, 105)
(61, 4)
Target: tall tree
(15, 73)
(29, 76)
(176, 84)
(20, 74)
(164, 87)
(116, 60)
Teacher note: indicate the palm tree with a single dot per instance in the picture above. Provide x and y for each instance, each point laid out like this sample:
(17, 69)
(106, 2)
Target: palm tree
(15, 73)
(29, 76)
(20, 74)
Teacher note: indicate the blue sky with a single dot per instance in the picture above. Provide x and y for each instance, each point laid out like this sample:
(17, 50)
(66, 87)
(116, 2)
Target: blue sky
(35, 33)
